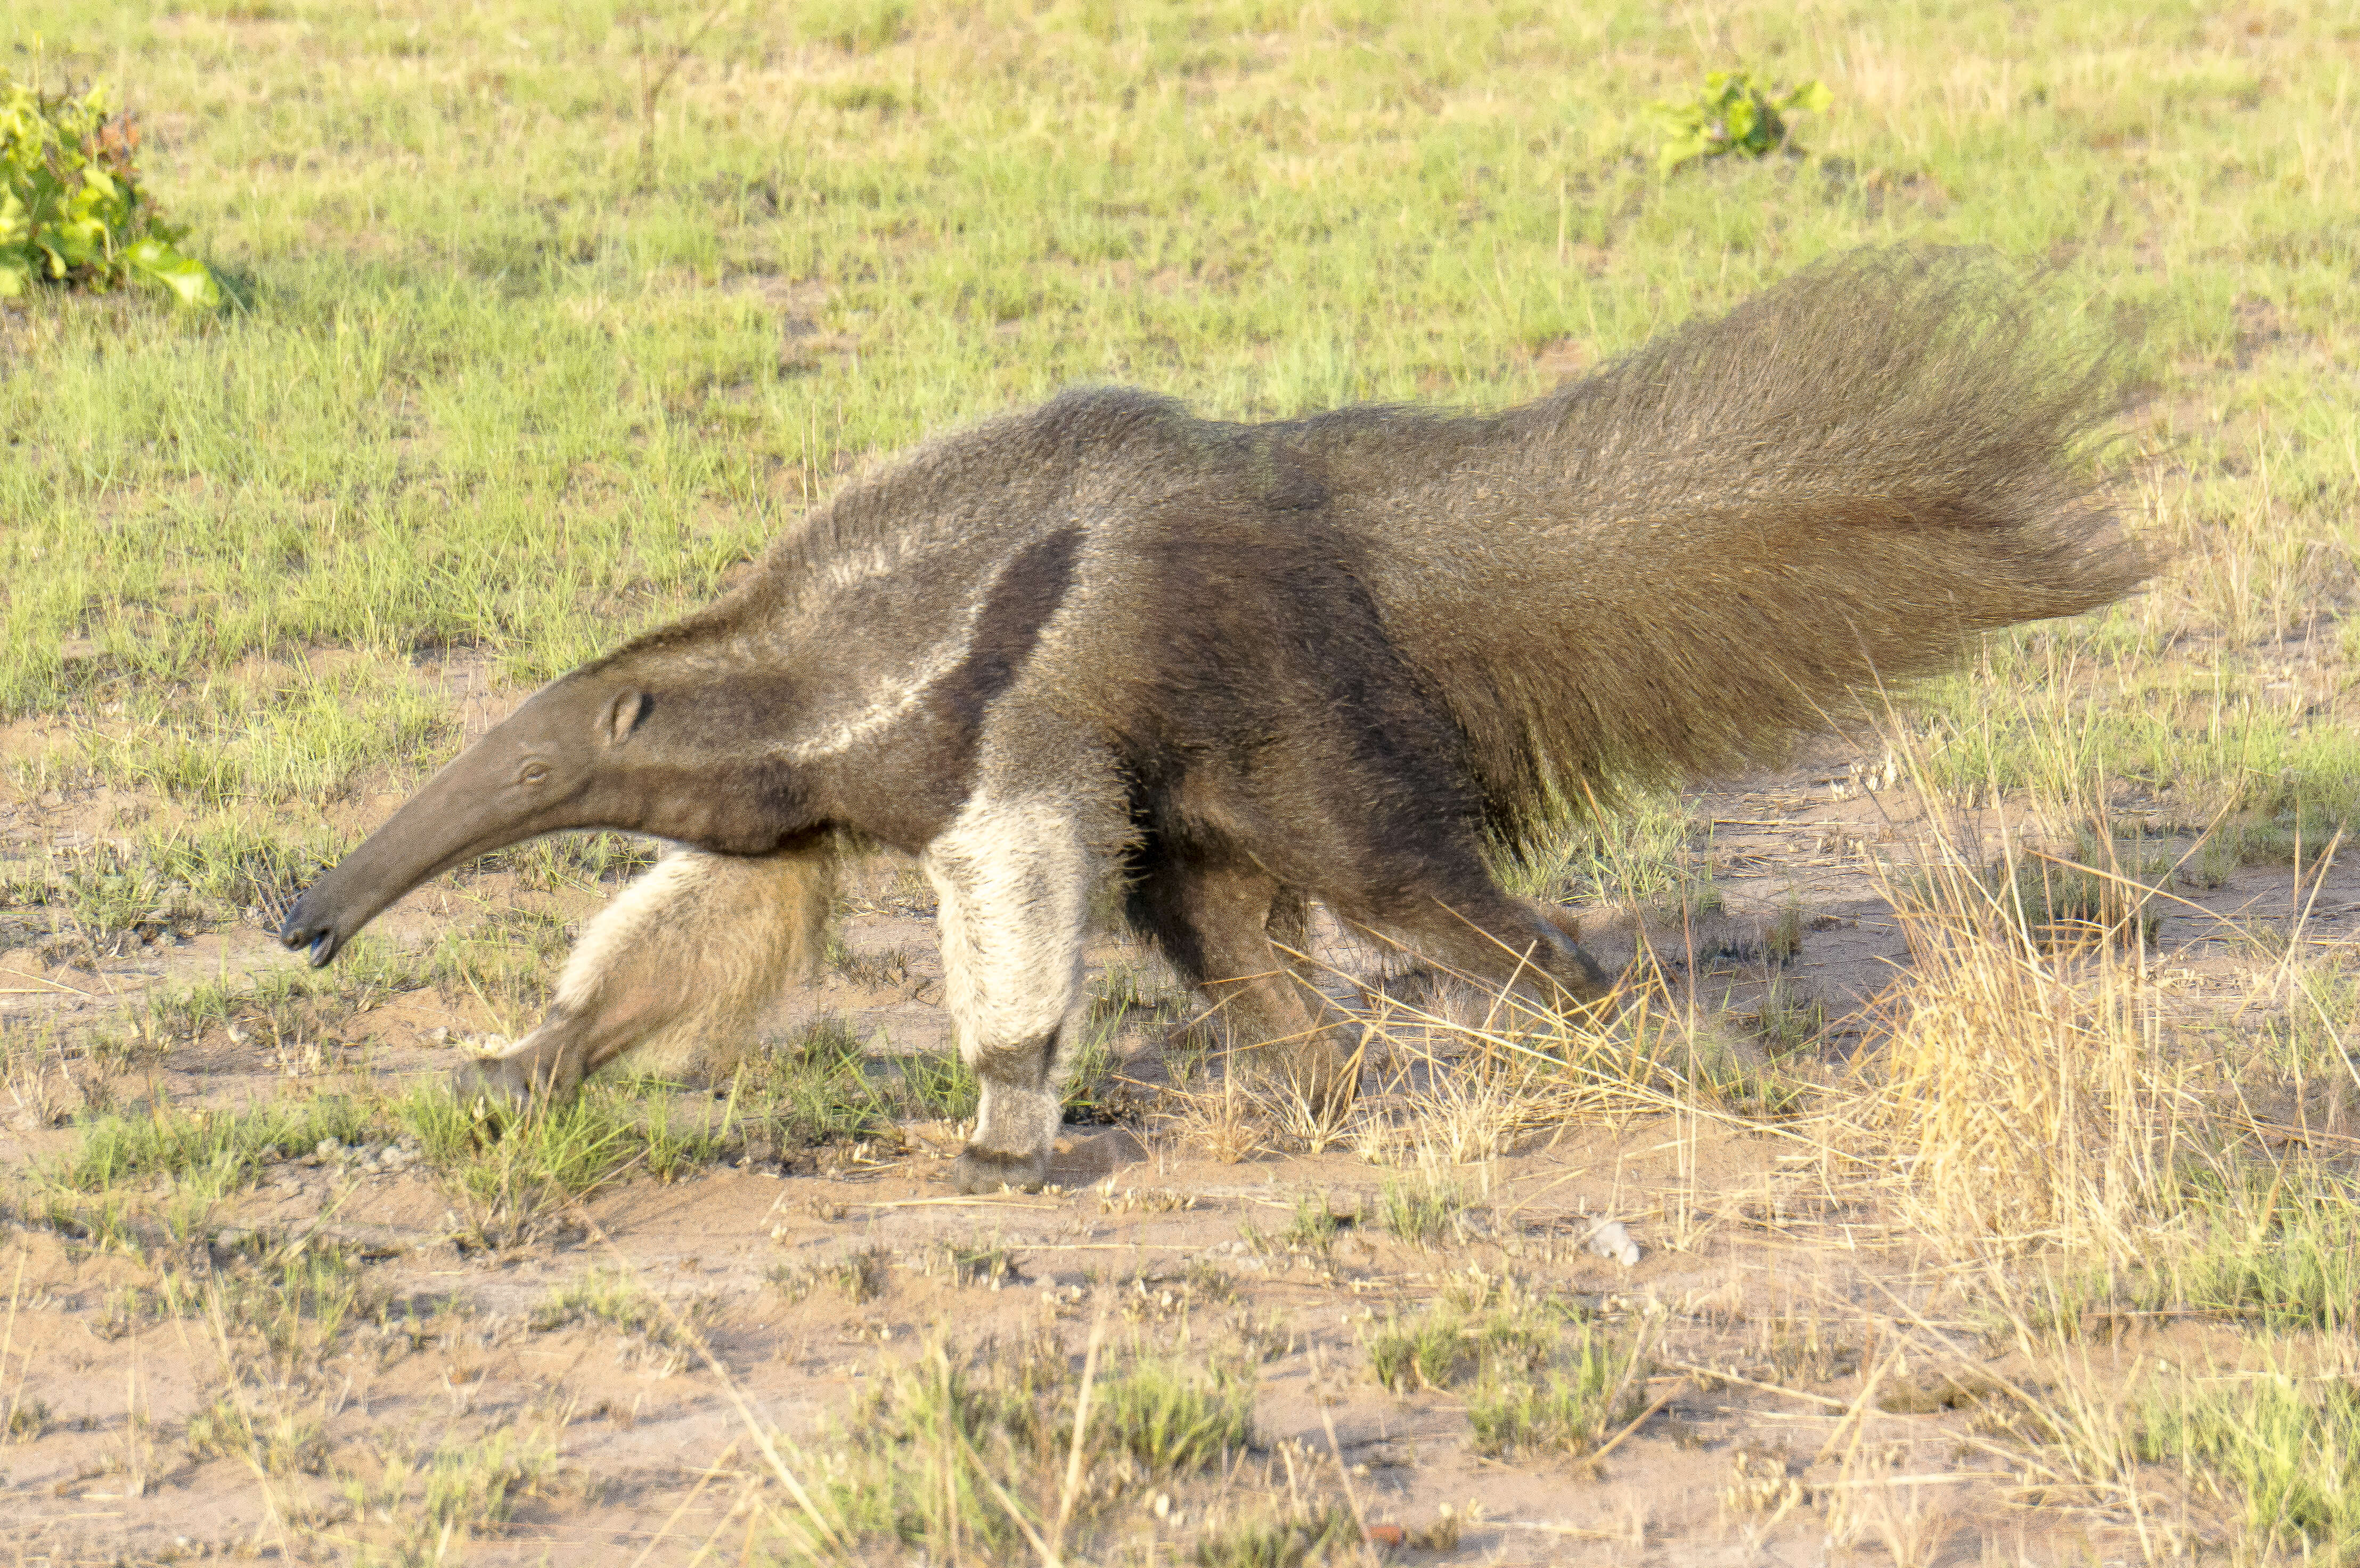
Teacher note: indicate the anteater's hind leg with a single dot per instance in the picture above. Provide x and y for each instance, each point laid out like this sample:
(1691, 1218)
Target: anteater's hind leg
(675, 970)
(1470, 927)
(1405, 874)
(1014, 879)
(1224, 926)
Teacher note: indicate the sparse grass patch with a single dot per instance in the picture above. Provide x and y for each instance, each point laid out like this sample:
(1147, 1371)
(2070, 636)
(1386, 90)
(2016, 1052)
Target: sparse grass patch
(419, 1501)
(810, 1092)
(507, 959)
(2275, 1249)
(239, 860)
(2283, 1449)
(976, 1447)
(278, 1444)
(1723, 1073)
(1536, 1375)
(109, 898)
(572, 860)
(1426, 1352)
(607, 1296)
(2101, 895)
(1591, 1384)
(296, 1014)
(1647, 852)
(860, 1274)
(476, 1484)
(26, 1419)
(1312, 1230)
(939, 1086)
(1789, 1020)
(2309, 1039)
(515, 1172)
(288, 1305)
(980, 1259)
(1304, 1535)
(217, 1151)
(2196, 748)
(1421, 1209)
(1172, 1420)
(231, 745)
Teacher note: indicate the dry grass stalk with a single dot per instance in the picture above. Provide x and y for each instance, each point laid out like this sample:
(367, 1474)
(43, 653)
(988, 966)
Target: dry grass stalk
(1225, 1122)
(2020, 1096)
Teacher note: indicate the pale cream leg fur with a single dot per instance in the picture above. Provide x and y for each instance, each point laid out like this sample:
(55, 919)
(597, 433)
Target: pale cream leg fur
(670, 976)
(1014, 879)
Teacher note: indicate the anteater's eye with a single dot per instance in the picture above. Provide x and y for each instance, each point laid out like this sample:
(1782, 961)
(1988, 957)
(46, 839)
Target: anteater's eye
(534, 773)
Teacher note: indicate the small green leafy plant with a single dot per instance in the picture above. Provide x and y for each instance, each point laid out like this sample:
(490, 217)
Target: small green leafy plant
(70, 208)
(1735, 113)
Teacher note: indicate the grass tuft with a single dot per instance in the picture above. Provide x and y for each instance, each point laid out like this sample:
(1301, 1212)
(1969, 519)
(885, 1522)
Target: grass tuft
(968, 1454)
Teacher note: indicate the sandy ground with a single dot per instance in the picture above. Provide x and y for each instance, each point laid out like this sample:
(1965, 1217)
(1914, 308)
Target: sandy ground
(1799, 1296)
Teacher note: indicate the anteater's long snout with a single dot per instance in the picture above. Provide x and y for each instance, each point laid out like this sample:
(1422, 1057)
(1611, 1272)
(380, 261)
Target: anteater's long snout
(461, 813)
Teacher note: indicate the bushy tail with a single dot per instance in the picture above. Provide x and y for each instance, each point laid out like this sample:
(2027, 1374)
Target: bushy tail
(1714, 541)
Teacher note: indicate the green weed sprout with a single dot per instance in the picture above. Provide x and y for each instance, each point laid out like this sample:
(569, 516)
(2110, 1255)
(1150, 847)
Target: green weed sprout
(70, 208)
(1735, 113)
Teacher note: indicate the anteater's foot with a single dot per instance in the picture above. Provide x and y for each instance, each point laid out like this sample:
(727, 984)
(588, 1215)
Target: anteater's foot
(1318, 1075)
(515, 1081)
(988, 1170)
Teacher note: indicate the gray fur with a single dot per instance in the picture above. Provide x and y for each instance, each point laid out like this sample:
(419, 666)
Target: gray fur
(1243, 666)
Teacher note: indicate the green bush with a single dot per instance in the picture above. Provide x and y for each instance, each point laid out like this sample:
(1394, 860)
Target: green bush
(1735, 113)
(70, 208)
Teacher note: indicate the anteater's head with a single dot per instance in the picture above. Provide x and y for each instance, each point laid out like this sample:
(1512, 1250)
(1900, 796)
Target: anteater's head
(654, 739)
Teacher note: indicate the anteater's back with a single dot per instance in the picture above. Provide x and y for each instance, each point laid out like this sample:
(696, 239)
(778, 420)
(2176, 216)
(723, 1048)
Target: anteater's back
(1671, 566)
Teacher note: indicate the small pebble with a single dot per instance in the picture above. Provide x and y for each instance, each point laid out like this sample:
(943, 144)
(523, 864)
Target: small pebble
(1610, 1240)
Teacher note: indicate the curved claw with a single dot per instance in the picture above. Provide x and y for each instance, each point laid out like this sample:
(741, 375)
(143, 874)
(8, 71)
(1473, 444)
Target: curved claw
(982, 1171)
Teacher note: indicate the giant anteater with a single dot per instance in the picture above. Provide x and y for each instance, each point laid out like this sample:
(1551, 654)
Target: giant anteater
(1245, 666)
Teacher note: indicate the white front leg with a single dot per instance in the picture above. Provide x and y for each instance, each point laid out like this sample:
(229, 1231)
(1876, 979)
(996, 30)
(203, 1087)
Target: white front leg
(1014, 879)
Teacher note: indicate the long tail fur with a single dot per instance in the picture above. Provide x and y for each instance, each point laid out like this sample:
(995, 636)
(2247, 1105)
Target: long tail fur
(1672, 566)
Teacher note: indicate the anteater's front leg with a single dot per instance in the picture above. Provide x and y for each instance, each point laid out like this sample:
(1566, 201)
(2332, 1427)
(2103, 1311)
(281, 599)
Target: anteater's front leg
(674, 971)
(1014, 881)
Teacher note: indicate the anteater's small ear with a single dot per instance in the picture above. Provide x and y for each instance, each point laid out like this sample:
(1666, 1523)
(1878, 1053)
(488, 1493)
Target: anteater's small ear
(623, 716)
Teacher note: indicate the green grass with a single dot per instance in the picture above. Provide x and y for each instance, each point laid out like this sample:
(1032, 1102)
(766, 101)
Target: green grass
(646, 341)
(220, 1151)
(2285, 1450)
(516, 1174)
(2182, 749)
(1644, 849)
(1594, 1386)
(602, 1295)
(1422, 1210)
(283, 1006)
(972, 1448)
(513, 1176)
(812, 1091)
(937, 1084)
(2275, 1247)
(239, 860)
(1289, 1536)
(1535, 1375)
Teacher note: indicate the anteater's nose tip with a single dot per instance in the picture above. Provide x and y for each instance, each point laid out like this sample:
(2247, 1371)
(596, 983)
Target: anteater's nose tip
(301, 933)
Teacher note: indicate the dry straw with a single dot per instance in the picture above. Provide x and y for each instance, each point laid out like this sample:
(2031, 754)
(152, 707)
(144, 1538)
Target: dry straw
(2019, 1093)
